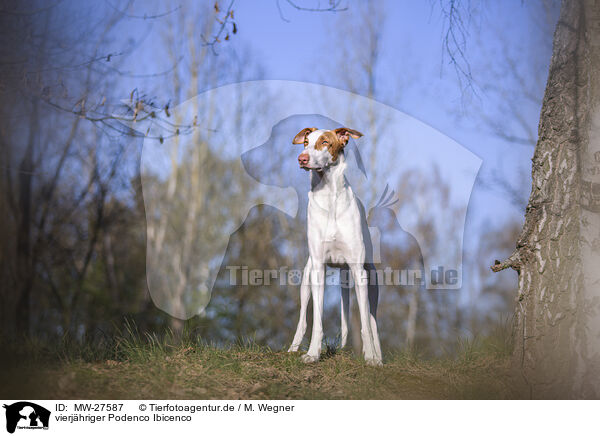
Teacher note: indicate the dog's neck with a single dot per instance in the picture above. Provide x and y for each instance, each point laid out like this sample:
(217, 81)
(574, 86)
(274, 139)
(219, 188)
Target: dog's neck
(331, 179)
(330, 191)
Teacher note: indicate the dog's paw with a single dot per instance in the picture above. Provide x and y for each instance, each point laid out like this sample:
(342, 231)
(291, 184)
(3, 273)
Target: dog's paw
(307, 358)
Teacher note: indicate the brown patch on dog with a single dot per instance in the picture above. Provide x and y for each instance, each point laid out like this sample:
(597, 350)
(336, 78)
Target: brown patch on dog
(330, 141)
(300, 138)
(336, 140)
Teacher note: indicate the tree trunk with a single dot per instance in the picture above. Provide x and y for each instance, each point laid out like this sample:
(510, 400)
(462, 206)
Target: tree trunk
(557, 329)
(411, 324)
(24, 260)
(177, 325)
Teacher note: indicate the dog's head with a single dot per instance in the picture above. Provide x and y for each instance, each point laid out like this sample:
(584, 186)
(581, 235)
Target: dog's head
(322, 147)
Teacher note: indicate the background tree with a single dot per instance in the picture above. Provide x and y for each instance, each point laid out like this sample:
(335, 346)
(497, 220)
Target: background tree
(556, 329)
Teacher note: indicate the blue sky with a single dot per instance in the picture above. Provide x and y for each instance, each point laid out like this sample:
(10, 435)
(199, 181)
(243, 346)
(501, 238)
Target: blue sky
(412, 53)
(413, 72)
(412, 46)
(413, 75)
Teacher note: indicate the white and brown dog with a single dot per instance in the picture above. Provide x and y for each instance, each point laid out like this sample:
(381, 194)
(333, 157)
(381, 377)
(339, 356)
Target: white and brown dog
(336, 237)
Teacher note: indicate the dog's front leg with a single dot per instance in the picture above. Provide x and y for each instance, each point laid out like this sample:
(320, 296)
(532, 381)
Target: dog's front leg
(345, 303)
(304, 297)
(317, 286)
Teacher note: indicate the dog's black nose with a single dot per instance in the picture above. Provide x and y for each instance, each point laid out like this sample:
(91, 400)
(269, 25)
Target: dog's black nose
(303, 159)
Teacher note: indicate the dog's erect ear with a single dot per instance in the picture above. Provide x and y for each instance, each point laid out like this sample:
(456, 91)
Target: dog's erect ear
(344, 134)
(302, 134)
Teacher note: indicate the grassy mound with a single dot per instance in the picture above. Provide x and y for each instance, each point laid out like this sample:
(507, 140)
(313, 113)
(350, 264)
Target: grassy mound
(134, 366)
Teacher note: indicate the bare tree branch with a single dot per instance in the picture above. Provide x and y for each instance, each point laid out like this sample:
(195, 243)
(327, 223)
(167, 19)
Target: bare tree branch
(227, 18)
(334, 6)
(456, 33)
(145, 16)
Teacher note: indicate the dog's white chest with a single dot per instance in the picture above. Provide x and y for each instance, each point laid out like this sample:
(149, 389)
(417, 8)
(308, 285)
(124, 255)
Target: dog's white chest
(326, 211)
(333, 226)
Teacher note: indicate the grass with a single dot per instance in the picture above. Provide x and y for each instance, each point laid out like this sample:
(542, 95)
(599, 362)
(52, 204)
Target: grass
(135, 366)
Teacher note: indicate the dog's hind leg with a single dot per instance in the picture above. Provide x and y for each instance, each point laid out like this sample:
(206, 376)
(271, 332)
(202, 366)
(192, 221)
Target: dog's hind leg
(304, 297)
(375, 335)
(362, 294)
(345, 303)
(373, 289)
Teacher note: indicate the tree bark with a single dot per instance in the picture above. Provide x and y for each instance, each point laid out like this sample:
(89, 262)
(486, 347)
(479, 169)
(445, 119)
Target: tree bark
(557, 328)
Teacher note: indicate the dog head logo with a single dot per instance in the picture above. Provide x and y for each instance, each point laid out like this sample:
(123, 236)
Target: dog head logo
(199, 188)
(26, 415)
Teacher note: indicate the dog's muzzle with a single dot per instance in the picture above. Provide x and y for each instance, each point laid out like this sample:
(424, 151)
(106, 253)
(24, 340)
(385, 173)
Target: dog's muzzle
(303, 159)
